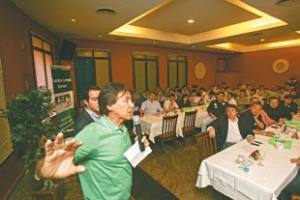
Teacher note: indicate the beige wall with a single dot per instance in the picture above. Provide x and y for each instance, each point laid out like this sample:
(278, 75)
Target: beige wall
(256, 67)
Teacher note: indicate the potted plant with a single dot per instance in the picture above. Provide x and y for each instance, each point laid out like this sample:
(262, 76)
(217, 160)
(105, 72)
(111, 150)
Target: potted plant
(31, 124)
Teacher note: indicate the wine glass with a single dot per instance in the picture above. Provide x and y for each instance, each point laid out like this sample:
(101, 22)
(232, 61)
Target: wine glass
(261, 158)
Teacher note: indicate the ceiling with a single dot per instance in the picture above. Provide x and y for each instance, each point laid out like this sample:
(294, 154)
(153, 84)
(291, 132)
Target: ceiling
(219, 25)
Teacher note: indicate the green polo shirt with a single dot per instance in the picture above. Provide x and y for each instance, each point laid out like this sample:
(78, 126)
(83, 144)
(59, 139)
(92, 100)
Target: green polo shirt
(108, 174)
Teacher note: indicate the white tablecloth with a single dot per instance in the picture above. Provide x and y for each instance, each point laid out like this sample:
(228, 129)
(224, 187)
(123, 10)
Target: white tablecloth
(152, 124)
(261, 182)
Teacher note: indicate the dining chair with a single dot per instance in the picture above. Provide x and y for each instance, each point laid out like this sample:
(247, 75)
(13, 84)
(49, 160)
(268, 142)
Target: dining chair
(189, 123)
(169, 124)
(206, 144)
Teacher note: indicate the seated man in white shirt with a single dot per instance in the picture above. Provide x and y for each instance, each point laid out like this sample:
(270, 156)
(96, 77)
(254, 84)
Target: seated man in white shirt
(150, 106)
(170, 104)
(229, 129)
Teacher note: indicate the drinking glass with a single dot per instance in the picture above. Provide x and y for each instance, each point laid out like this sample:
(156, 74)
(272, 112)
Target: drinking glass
(261, 158)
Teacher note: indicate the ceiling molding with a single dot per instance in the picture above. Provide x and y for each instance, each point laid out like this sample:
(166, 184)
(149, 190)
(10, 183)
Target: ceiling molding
(265, 21)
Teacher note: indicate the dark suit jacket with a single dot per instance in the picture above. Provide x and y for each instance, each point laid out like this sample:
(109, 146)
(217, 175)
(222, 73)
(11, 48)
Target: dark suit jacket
(82, 120)
(221, 127)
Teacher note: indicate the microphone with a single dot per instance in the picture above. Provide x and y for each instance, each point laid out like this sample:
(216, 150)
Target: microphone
(138, 131)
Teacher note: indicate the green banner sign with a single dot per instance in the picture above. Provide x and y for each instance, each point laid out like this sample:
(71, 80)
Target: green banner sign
(64, 97)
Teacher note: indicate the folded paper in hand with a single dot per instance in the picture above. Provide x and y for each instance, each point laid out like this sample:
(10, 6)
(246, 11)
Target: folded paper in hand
(134, 155)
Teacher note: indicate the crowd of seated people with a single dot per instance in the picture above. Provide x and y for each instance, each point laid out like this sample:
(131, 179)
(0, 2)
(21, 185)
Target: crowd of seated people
(259, 106)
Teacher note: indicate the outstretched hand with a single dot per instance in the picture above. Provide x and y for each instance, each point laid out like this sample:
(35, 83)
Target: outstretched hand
(58, 162)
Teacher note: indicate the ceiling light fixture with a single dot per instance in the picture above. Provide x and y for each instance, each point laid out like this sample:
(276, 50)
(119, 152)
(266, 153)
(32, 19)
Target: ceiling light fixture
(105, 11)
(190, 21)
(298, 31)
(262, 40)
(287, 3)
(99, 36)
(73, 20)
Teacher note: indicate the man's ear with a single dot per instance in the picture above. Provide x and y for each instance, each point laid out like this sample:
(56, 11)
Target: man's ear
(85, 102)
(109, 107)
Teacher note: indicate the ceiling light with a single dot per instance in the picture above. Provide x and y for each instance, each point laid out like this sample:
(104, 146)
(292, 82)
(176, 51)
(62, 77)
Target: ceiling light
(99, 36)
(73, 20)
(262, 40)
(190, 21)
(106, 11)
(298, 32)
(287, 2)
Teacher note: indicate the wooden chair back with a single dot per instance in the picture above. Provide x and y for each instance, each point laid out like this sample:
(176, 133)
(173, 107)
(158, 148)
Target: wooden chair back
(207, 145)
(189, 122)
(169, 124)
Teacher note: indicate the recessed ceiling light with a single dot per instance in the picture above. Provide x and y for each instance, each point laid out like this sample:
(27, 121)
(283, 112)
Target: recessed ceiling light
(190, 21)
(99, 36)
(287, 3)
(298, 31)
(262, 40)
(73, 20)
(106, 11)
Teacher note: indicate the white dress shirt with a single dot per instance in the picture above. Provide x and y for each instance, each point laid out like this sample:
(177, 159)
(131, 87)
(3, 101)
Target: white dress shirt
(151, 108)
(233, 134)
(167, 103)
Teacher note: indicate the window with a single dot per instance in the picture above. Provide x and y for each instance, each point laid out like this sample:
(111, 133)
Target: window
(177, 71)
(43, 59)
(6, 147)
(145, 71)
(93, 67)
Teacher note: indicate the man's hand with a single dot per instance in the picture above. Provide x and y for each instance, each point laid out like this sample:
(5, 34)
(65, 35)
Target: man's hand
(296, 160)
(58, 161)
(145, 141)
(212, 132)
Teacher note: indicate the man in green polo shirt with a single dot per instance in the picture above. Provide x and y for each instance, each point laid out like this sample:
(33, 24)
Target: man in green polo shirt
(98, 150)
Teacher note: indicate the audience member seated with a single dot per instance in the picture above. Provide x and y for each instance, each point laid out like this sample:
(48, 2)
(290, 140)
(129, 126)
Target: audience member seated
(262, 92)
(160, 97)
(253, 93)
(293, 187)
(170, 104)
(195, 99)
(214, 109)
(231, 98)
(209, 98)
(289, 107)
(150, 106)
(91, 111)
(243, 100)
(253, 119)
(184, 102)
(274, 110)
(229, 129)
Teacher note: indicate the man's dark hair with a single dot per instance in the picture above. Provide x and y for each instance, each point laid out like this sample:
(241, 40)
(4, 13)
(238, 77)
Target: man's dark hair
(256, 104)
(231, 106)
(87, 90)
(109, 96)
(272, 98)
(287, 96)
